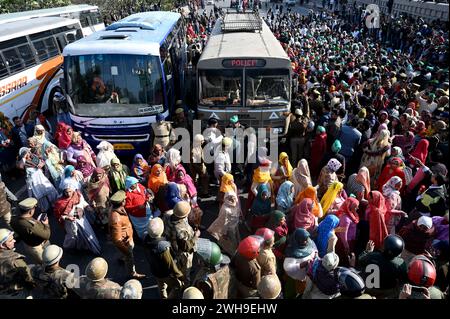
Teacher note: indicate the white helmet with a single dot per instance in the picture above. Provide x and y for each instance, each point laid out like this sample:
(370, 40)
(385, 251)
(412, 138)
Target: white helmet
(132, 289)
(330, 261)
(192, 293)
(155, 227)
(269, 287)
(51, 255)
(4, 235)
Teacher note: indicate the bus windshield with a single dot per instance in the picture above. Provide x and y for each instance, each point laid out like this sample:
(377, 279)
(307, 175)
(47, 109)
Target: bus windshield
(267, 87)
(111, 85)
(220, 87)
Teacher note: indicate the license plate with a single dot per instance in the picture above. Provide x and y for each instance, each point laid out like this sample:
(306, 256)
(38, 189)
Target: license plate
(123, 147)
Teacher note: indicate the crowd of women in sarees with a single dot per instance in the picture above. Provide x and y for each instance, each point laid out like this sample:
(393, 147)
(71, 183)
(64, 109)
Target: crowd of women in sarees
(341, 213)
(364, 157)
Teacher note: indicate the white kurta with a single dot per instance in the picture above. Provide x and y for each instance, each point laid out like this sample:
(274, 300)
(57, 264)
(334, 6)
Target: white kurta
(40, 188)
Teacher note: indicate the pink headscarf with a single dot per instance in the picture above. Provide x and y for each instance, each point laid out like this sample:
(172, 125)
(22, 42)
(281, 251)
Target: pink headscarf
(185, 180)
(302, 215)
(84, 166)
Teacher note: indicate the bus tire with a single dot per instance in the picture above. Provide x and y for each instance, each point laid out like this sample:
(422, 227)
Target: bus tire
(51, 107)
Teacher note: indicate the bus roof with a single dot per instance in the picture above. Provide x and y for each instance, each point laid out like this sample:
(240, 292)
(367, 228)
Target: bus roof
(140, 33)
(257, 44)
(17, 16)
(25, 27)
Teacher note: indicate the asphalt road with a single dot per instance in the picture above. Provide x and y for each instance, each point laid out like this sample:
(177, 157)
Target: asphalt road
(109, 252)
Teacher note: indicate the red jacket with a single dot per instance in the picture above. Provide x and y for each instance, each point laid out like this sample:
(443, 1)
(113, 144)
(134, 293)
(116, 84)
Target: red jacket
(136, 201)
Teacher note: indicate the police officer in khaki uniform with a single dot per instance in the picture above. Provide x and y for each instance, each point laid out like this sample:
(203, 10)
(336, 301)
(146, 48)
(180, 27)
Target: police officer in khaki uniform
(162, 132)
(162, 264)
(16, 281)
(5, 206)
(247, 269)
(180, 119)
(53, 281)
(122, 232)
(182, 238)
(33, 233)
(94, 285)
(214, 279)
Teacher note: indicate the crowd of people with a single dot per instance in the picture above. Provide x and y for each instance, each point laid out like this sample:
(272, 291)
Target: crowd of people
(355, 207)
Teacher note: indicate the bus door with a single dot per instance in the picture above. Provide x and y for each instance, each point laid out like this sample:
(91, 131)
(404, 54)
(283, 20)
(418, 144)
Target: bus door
(168, 80)
(176, 76)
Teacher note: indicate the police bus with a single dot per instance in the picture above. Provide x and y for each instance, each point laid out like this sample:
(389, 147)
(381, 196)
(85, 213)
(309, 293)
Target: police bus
(119, 79)
(88, 15)
(244, 70)
(30, 62)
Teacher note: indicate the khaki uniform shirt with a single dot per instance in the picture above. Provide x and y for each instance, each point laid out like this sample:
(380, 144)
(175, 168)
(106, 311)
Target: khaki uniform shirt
(33, 232)
(15, 274)
(181, 235)
(103, 289)
(121, 229)
(53, 284)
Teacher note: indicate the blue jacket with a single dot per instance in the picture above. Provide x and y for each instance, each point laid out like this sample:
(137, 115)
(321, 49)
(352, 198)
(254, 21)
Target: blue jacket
(350, 138)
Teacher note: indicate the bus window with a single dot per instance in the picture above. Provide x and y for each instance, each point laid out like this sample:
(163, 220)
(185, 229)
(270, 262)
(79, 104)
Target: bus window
(267, 86)
(96, 17)
(13, 60)
(41, 35)
(73, 29)
(61, 41)
(78, 35)
(70, 37)
(12, 43)
(41, 50)
(220, 87)
(3, 69)
(167, 66)
(26, 55)
(85, 19)
(134, 81)
(52, 49)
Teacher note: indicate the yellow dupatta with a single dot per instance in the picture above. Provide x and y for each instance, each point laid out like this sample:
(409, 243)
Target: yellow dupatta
(330, 195)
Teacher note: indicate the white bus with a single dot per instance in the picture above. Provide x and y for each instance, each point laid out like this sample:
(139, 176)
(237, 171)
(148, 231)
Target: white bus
(88, 15)
(244, 70)
(30, 62)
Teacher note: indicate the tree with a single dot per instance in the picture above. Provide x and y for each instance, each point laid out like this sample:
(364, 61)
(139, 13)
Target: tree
(113, 10)
(9, 6)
